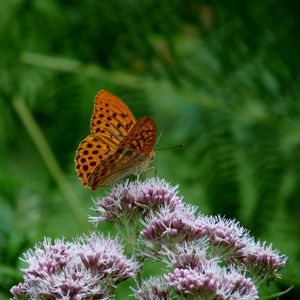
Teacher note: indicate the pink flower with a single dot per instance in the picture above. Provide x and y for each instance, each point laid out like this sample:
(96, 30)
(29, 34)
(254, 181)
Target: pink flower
(155, 288)
(210, 281)
(172, 225)
(263, 261)
(227, 237)
(187, 255)
(235, 285)
(104, 256)
(128, 199)
(194, 282)
(46, 258)
(87, 268)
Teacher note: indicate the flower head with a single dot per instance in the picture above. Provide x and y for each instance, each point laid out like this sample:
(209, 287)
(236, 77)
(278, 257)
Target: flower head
(104, 256)
(263, 261)
(187, 255)
(153, 289)
(130, 198)
(196, 282)
(226, 236)
(47, 258)
(172, 225)
(210, 281)
(156, 192)
(233, 284)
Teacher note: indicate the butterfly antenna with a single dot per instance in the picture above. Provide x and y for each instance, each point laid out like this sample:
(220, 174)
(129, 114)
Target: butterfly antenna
(158, 139)
(173, 147)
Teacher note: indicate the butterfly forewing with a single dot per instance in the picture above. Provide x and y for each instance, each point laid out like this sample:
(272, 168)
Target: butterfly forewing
(111, 119)
(89, 154)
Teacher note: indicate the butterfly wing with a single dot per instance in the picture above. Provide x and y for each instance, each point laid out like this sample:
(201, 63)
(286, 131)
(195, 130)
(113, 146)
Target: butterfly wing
(141, 138)
(112, 119)
(111, 122)
(90, 152)
(133, 154)
(115, 167)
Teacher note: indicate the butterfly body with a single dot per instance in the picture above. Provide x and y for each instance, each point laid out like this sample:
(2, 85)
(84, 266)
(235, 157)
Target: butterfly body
(118, 145)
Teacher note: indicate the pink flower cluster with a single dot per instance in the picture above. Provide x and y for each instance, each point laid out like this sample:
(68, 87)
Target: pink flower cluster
(176, 224)
(209, 257)
(212, 282)
(204, 257)
(198, 273)
(84, 269)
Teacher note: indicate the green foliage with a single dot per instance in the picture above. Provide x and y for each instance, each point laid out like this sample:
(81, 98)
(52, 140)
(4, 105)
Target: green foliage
(220, 77)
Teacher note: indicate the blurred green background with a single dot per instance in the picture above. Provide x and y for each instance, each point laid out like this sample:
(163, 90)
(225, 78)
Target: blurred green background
(222, 77)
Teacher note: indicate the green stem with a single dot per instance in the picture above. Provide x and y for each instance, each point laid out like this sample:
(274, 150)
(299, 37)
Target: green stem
(132, 238)
(50, 160)
(276, 295)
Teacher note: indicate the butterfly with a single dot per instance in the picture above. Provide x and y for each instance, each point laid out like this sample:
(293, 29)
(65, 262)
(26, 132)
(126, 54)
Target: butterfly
(118, 145)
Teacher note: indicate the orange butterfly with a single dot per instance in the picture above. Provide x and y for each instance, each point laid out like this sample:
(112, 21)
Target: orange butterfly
(118, 145)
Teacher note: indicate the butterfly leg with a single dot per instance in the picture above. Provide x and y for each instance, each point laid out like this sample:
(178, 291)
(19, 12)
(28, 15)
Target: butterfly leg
(136, 184)
(154, 169)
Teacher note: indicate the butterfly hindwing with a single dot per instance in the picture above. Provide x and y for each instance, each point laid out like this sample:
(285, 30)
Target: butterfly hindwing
(119, 164)
(141, 137)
